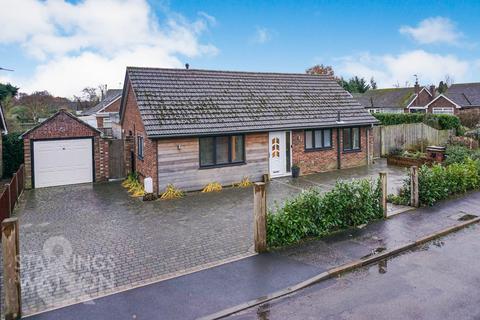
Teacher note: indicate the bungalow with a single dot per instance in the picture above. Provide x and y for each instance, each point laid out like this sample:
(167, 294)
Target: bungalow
(193, 127)
(104, 115)
(458, 98)
(397, 100)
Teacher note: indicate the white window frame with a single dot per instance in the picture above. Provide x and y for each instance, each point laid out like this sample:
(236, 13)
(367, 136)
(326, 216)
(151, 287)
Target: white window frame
(443, 110)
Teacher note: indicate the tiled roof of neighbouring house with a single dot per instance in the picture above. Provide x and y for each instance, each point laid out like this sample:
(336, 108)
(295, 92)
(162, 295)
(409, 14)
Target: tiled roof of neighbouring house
(386, 98)
(110, 96)
(179, 102)
(465, 94)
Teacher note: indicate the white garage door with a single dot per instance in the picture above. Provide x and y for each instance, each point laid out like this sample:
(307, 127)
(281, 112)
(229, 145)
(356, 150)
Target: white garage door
(60, 162)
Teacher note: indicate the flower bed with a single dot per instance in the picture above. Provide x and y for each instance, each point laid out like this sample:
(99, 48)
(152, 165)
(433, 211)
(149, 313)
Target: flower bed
(402, 161)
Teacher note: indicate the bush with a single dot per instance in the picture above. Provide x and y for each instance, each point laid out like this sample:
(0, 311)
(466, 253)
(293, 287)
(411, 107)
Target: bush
(438, 182)
(437, 121)
(12, 153)
(457, 154)
(311, 214)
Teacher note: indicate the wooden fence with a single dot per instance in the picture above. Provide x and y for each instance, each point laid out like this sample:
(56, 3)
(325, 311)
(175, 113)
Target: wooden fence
(387, 138)
(11, 193)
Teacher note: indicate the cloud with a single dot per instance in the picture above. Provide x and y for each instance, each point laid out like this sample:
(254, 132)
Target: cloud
(389, 70)
(262, 35)
(434, 30)
(91, 42)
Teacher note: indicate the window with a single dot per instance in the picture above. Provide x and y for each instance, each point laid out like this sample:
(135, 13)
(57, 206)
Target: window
(140, 147)
(318, 139)
(221, 150)
(351, 139)
(443, 110)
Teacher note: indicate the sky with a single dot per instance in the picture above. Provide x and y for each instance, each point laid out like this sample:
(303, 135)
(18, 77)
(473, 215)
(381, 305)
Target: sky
(63, 46)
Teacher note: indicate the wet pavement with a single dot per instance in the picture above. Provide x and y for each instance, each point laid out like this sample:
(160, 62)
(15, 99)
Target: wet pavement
(212, 290)
(120, 242)
(439, 280)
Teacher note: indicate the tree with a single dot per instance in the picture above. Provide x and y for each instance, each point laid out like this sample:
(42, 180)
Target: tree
(87, 99)
(442, 87)
(373, 84)
(355, 85)
(321, 70)
(7, 90)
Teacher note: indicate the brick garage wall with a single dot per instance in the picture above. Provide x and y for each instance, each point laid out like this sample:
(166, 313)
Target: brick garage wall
(132, 122)
(66, 126)
(326, 160)
(442, 103)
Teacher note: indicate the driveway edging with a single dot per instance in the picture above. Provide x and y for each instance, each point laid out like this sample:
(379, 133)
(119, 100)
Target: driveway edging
(340, 269)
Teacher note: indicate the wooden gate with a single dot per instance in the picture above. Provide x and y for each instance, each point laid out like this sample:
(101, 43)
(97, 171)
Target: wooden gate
(116, 159)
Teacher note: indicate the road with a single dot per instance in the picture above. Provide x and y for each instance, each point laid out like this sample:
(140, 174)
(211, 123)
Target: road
(440, 280)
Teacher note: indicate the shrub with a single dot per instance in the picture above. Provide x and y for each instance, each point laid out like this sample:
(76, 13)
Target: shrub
(311, 214)
(245, 183)
(438, 182)
(172, 193)
(12, 153)
(438, 121)
(212, 187)
(133, 185)
(456, 154)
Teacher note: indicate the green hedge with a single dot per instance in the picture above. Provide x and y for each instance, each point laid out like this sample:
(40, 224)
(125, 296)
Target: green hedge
(312, 214)
(438, 121)
(12, 154)
(438, 182)
(460, 154)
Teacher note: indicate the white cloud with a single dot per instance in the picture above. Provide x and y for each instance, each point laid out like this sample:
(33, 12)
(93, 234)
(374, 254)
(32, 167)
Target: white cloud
(434, 30)
(389, 70)
(261, 35)
(91, 42)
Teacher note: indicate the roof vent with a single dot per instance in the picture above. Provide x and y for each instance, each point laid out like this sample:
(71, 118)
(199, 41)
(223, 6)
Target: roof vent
(187, 66)
(339, 119)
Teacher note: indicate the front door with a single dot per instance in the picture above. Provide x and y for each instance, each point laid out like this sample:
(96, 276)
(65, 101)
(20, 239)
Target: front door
(279, 153)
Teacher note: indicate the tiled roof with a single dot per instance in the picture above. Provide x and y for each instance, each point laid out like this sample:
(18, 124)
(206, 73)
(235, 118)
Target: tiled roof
(110, 96)
(179, 102)
(386, 98)
(465, 94)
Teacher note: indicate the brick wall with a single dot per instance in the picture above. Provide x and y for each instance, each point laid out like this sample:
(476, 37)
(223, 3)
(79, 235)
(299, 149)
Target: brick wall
(326, 160)
(442, 103)
(114, 106)
(63, 125)
(132, 124)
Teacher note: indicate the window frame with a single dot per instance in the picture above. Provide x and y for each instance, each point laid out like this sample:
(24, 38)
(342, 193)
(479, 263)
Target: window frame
(359, 149)
(230, 162)
(140, 146)
(313, 140)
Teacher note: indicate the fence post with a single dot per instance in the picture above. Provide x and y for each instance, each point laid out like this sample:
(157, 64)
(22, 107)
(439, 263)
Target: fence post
(7, 189)
(414, 200)
(11, 268)
(383, 196)
(260, 215)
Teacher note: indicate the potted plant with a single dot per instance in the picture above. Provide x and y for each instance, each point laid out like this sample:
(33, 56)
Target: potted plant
(295, 171)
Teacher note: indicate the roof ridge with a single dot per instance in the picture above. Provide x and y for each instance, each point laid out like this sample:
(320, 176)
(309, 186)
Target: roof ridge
(229, 71)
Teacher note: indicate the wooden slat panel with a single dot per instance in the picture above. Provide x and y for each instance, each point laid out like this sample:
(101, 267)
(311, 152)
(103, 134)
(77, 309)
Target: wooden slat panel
(178, 163)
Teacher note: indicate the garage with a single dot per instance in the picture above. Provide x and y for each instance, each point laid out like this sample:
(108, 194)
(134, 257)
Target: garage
(62, 162)
(64, 150)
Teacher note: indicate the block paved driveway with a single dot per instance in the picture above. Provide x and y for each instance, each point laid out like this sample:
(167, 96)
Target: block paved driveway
(87, 240)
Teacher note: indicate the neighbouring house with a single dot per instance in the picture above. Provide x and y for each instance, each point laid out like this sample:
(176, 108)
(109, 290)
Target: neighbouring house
(193, 127)
(64, 150)
(457, 98)
(105, 115)
(3, 131)
(397, 100)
